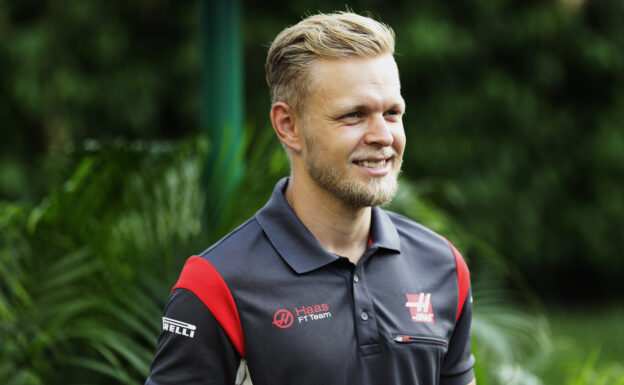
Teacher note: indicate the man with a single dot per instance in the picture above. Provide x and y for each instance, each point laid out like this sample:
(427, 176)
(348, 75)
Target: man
(321, 286)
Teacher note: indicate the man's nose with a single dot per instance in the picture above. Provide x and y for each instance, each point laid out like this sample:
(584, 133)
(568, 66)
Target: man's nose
(379, 132)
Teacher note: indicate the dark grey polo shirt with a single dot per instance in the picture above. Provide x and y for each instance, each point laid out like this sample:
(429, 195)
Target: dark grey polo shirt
(270, 293)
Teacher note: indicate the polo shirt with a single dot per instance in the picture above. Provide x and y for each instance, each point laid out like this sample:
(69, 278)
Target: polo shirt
(270, 293)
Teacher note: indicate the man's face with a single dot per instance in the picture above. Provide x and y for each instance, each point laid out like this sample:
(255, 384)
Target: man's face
(354, 138)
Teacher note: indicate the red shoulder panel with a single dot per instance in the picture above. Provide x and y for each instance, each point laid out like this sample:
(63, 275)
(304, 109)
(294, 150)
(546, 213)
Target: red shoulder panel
(463, 279)
(201, 278)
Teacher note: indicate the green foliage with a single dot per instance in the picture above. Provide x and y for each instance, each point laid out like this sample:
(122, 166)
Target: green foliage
(589, 347)
(76, 70)
(515, 153)
(266, 162)
(517, 106)
(85, 273)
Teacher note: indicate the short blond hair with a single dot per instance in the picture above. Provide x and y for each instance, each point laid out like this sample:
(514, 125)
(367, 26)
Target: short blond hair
(322, 36)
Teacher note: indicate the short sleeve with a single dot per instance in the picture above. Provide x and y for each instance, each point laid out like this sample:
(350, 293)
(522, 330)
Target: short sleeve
(192, 348)
(458, 363)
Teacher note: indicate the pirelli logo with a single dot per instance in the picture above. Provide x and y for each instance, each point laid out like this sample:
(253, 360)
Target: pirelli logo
(179, 327)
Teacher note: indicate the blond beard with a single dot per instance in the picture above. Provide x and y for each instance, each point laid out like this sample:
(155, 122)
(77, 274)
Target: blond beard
(355, 193)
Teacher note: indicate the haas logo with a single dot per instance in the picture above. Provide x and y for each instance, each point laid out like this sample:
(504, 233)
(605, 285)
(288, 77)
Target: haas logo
(305, 314)
(420, 307)
(283, 318)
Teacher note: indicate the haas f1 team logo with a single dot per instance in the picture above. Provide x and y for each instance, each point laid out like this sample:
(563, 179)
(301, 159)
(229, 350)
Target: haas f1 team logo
(305, 314)
(420, 307)
(283, 318)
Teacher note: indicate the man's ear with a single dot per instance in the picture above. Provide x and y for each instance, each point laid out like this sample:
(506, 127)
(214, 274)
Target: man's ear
(285, 125)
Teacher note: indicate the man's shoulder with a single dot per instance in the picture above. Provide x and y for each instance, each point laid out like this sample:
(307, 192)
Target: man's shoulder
(416, 236)
(237, 242)
(404, 224)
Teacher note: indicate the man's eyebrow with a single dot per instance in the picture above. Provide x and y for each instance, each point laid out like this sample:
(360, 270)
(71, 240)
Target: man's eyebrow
(350, 108)
(363, 107)
(400, 105)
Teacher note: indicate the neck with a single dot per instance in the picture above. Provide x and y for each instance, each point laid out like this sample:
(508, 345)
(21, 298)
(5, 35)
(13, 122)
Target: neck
(341, 229)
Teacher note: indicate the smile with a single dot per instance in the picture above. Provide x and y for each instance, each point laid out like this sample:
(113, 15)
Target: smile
(374, 167)
(371, 163)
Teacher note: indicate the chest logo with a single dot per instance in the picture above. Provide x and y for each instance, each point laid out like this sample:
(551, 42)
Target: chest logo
(420, 307)
(283, 318)
(305, 314)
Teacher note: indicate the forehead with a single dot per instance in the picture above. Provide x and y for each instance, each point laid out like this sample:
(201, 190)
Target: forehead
(372, 80)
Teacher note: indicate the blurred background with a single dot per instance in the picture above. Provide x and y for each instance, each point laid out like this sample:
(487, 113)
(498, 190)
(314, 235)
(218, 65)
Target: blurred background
(133, 134)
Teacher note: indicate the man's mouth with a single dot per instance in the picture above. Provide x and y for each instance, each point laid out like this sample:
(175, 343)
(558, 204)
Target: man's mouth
(372, 163)
(375, 163)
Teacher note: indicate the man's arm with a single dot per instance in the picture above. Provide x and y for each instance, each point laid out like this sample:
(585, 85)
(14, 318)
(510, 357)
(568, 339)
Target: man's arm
(192, 347)
(473, 382)
(458, 363)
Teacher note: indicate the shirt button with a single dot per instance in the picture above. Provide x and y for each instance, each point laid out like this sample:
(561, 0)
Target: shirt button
(364, 315)
(355, 278)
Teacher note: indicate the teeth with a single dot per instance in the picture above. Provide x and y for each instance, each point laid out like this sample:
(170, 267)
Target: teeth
(377, 164)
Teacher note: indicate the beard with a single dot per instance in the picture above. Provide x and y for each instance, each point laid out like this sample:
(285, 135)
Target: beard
(376, 191)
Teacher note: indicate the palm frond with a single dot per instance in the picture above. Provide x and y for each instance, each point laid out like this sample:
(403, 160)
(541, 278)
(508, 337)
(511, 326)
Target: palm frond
(78, 272)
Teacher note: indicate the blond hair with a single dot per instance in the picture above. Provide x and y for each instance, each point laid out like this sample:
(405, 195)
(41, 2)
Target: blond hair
(332, 36)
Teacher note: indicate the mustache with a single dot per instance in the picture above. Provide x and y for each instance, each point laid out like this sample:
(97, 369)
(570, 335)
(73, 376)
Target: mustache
(385, 152)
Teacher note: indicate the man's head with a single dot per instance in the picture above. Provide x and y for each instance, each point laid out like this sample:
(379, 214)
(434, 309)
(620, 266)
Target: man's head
(334, 36)
(337, 107)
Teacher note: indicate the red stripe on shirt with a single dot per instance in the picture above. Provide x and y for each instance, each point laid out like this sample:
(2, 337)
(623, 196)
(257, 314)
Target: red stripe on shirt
(463, 279)
(203, 280)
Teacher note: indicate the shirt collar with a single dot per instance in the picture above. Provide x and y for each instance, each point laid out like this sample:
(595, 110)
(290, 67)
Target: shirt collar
(298, 247)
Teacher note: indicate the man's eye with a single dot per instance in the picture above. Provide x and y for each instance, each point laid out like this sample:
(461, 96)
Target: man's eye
(354, 114)
(392, 112)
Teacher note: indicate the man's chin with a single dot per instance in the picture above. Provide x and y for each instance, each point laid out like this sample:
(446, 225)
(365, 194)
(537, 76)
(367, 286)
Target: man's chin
(354, 189)
(373, 193)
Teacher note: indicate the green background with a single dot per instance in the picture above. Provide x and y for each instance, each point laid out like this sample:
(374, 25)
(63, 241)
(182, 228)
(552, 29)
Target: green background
(111, 175)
